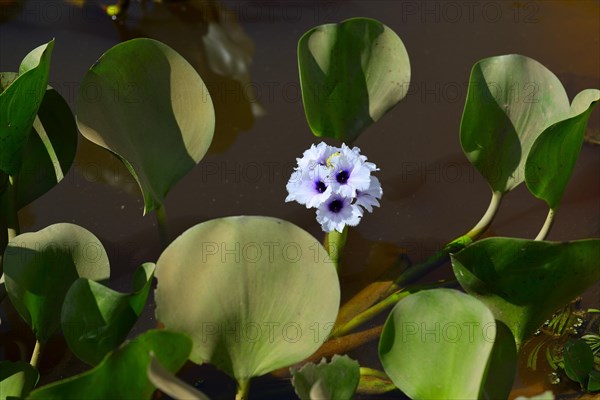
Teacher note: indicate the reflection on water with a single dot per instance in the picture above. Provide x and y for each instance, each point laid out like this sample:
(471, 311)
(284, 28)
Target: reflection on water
(209, 36)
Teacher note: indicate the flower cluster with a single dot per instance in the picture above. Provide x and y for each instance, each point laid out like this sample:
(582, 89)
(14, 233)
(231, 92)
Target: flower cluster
(337, 182)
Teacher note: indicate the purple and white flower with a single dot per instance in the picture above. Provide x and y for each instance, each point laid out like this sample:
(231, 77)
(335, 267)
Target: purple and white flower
(338, 182)
(338, 211)
(369, 198)
(348, 174)
(316, 155)
(309, 186)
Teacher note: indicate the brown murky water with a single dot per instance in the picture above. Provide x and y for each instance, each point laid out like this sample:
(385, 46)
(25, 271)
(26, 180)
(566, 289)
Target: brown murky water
(246, 53)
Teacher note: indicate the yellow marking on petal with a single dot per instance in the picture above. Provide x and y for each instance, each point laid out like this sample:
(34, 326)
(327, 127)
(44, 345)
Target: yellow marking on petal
(328, 162)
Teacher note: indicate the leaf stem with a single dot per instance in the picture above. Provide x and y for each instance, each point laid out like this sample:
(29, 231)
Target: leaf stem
(163, 231)
(334, 243)
(364, 371)
(12, 218)
(547, 225)
(383, 305)
(485, 221)
(35, 356)
(373, 382)
(243, 389)
(416, 272)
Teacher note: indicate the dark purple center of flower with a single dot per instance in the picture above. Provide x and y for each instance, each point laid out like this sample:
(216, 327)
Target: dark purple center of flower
(320, 186)
(336, 206)
(342, 176)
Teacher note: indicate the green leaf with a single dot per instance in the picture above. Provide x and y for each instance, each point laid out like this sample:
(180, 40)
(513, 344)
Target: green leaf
(437, 343)
(594, 382)
(171, 385)
(254, 293)
(337, 379)
(19, 103)
(17, 379)
(511, 99)
(578, 359)
(147, 104)
(122, 374)
(50, 148)
(351, 74)
(96, 319)
(502, 367)
(522, 281)
(40, 267)
(553, 155)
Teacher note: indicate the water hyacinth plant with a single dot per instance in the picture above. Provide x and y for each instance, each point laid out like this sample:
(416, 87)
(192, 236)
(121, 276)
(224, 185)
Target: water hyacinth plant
(258, 295)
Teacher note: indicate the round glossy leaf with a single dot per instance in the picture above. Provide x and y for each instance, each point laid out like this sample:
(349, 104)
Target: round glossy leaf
(17, 379)
(122, 374)
(436, 344)
(511, 99)
(147, 104)
(554, 153)
(523, 281)
(40, 267)
(19, 103)
(254, 293)
(337, 379)
(96, 319)
(351, 74)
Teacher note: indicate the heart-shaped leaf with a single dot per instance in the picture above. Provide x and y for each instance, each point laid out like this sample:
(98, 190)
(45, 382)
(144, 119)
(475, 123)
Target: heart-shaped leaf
(147, 104)
(96, 319)
(579, 360)
(40, 267)
(337, 379)
(17, 379)
(19, 103)
(254, 293)
(351, 74)
(511, 99)
(50, 148)
(122, 374)
(523, 281)
(436, 344)
(553, 155)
